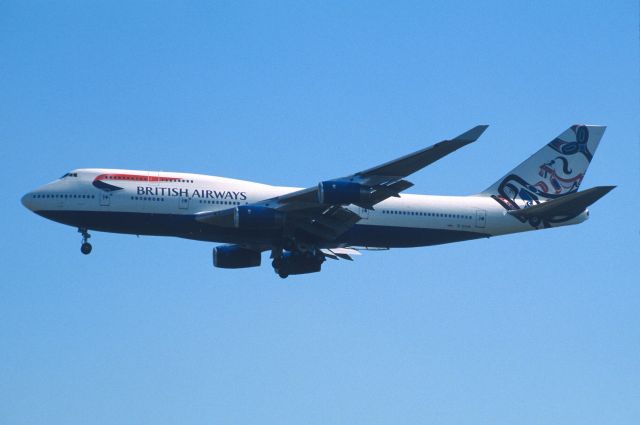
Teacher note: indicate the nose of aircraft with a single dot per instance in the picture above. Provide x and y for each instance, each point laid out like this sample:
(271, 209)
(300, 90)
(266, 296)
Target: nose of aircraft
(27, 201)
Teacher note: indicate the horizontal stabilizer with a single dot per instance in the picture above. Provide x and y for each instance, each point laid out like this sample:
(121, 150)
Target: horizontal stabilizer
(568, 205)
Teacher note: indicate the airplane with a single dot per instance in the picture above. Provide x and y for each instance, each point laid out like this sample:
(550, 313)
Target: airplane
(335, 219)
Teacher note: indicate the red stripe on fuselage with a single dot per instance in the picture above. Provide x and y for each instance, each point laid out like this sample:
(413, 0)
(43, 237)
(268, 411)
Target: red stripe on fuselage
(137, 177)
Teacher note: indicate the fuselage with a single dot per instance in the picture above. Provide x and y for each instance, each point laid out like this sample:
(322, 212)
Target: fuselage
(167, 204)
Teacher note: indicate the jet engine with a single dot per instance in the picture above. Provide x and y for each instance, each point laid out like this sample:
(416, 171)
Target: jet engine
(343, 193)
(248, 216)
(235, 257)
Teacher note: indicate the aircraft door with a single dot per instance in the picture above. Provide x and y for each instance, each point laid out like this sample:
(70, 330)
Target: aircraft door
(183, 203)
(363, 213)
(481, 218)
(105, 199)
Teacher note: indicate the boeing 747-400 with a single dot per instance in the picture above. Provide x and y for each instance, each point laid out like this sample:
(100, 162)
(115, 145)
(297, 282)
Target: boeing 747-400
(334, 219)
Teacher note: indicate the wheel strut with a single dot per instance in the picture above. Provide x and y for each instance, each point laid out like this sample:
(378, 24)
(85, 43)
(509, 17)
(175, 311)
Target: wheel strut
(86, 247)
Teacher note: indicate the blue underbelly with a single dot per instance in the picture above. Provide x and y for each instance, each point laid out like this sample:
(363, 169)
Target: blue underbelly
(185, 226)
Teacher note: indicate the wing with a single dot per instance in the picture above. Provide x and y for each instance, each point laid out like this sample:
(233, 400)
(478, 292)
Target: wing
(320, 210)
(380, 182)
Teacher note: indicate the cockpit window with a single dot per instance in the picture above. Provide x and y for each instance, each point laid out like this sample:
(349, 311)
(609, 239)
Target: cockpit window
(69, 175)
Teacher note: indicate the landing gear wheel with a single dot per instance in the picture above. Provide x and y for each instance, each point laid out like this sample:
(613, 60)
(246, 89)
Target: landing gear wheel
(276, 263)
(85, 248)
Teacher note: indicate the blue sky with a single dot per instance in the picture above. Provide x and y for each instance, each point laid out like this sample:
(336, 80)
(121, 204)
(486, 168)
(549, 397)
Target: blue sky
(531, 328)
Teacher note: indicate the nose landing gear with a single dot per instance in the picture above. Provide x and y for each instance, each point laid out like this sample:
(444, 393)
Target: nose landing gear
(86, 247)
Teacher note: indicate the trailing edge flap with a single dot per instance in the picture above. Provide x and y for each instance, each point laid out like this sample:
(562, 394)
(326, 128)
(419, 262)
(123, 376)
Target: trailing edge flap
(328, 224)
(344, 253)
(567, 205)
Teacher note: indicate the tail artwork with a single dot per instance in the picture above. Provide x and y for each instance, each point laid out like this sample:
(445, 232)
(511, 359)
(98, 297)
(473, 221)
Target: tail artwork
(553, 172)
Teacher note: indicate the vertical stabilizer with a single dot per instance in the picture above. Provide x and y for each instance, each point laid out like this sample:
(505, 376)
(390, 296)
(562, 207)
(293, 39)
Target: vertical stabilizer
(554, 171)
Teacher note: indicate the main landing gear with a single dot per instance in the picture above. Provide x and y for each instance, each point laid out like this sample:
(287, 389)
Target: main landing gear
(296, 262)
(86, 247)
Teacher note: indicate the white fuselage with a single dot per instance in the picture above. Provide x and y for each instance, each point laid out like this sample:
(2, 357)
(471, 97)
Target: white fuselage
(163, 203)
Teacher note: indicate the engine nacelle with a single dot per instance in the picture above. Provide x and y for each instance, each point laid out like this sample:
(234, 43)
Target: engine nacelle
(343, 193)
(298, 263)
(247, 216)
(235, 257)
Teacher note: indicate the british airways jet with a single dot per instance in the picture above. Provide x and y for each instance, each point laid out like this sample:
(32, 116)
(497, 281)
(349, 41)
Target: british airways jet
(335, 219)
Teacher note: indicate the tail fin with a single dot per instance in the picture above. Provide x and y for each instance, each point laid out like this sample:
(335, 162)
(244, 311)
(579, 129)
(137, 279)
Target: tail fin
(554, 171)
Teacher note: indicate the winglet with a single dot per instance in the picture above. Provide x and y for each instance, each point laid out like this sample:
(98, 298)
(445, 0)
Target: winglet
(473, 134)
